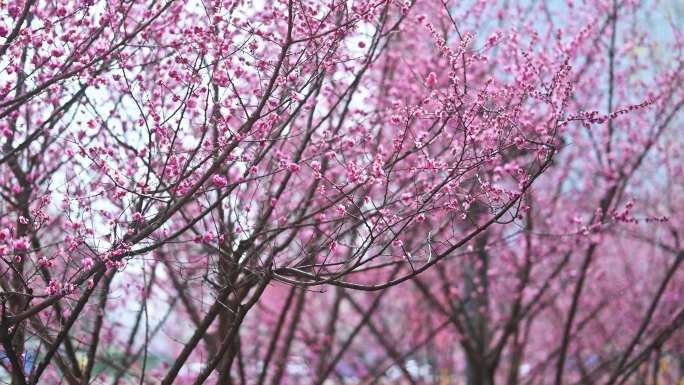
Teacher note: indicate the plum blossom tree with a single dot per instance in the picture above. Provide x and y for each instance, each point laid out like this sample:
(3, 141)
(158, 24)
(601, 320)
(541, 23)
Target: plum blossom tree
(325, 191)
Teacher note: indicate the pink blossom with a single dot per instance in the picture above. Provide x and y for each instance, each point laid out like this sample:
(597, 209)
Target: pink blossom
(53, 287)
(208, 237)
(520, 171)
(45, 262)
(5, 234)
(431, 80)
(293, 167)
(219, 181)
(492, 39)
(20, 244)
